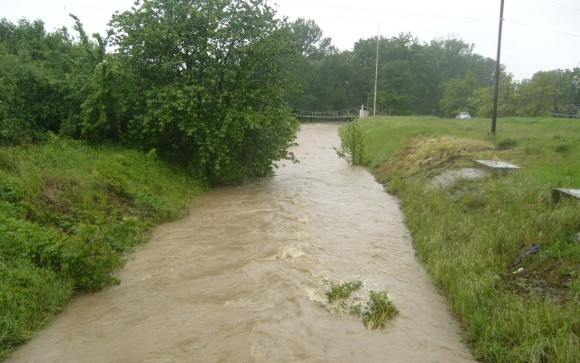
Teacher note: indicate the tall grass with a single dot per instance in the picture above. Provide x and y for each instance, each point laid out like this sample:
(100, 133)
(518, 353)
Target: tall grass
(466, 234)
(68, 212)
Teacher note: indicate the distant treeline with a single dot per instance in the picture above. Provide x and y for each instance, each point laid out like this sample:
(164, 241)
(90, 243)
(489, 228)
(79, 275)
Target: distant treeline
(442, 78)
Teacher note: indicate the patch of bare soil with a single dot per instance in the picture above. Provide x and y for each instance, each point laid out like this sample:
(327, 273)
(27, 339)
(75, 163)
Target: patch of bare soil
(541, 278)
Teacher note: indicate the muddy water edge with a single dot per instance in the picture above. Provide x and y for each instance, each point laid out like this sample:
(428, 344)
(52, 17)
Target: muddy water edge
(243, 279)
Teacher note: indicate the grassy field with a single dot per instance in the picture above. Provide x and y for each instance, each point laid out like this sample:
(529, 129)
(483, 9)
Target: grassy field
(68, 214)
(469, 233)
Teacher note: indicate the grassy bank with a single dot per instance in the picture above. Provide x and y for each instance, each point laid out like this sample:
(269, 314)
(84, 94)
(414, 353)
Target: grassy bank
(468, 233)
(68, 214)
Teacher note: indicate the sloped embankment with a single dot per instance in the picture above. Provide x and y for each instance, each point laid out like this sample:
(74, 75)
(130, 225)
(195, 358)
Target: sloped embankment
(68, 213)
(470, 234)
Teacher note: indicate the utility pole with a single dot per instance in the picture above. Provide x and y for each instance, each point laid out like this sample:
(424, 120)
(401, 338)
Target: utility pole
(497, 69)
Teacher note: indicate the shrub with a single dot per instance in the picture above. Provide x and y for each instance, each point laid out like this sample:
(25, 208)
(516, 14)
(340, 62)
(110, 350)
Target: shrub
(352, 144)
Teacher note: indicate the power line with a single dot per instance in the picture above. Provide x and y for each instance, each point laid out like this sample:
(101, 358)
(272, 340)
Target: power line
(571, 6)
(543, 29)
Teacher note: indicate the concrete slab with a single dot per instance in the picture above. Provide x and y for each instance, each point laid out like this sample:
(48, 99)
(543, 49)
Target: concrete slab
(449, 178)
(560, 193)
(493, 166)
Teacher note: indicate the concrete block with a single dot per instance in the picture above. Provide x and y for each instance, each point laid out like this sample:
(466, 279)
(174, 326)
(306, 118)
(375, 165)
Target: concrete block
(560, 193)
(495, 167)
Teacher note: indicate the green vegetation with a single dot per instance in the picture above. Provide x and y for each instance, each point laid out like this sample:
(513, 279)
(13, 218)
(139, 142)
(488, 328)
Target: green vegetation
(342, 291)
(202, 91)
(194, 93)
(375, 312)
(68, 214)
(204, 83)
(341, 301)
(378, 310)
(208, 84)
(442, 77)
(469, 234)
(352, 143)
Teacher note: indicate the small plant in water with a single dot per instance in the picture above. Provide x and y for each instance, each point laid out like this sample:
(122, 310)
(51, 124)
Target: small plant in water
(352, 144)
(342, 291)
(378, 310)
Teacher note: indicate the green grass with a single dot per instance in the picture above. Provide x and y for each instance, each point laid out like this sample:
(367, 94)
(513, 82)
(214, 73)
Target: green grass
(68, 214)
(468, 233)
(379, 310)
(342, 291)
(375, 312)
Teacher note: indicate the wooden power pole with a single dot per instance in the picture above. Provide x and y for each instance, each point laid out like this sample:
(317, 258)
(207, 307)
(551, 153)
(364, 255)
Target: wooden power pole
(497, 70)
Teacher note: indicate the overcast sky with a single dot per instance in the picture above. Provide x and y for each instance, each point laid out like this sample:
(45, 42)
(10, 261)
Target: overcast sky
(538, 35)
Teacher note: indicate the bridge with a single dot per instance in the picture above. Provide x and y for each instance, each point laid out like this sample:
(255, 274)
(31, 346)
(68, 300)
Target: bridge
(569, 111)
(333, 116)
(328, 116)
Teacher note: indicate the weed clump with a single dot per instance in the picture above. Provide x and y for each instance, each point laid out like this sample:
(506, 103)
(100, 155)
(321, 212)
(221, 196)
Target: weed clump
(342, 291)
(375, 312)
(379, 310)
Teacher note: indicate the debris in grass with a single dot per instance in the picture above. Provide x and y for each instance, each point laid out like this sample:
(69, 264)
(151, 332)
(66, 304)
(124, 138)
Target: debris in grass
(546, 279)
(530, 250)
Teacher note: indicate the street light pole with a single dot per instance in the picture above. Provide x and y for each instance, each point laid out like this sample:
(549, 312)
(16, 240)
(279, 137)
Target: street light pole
(497, 69)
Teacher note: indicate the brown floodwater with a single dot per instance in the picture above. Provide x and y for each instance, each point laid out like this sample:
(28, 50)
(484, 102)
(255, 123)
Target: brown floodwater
(243, 278)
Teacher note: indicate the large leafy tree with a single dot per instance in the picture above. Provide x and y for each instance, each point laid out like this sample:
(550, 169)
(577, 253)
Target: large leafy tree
(310, 39)
(319, 68)
(568, 84)
(457, 92)
(208, 81)
(480, 103)
(537, 96)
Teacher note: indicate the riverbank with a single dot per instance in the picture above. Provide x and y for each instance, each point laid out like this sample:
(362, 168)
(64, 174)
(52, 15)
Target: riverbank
(470, 232)
(69, 213)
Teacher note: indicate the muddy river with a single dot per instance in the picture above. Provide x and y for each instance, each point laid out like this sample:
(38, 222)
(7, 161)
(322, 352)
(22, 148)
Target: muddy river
(243, 279)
